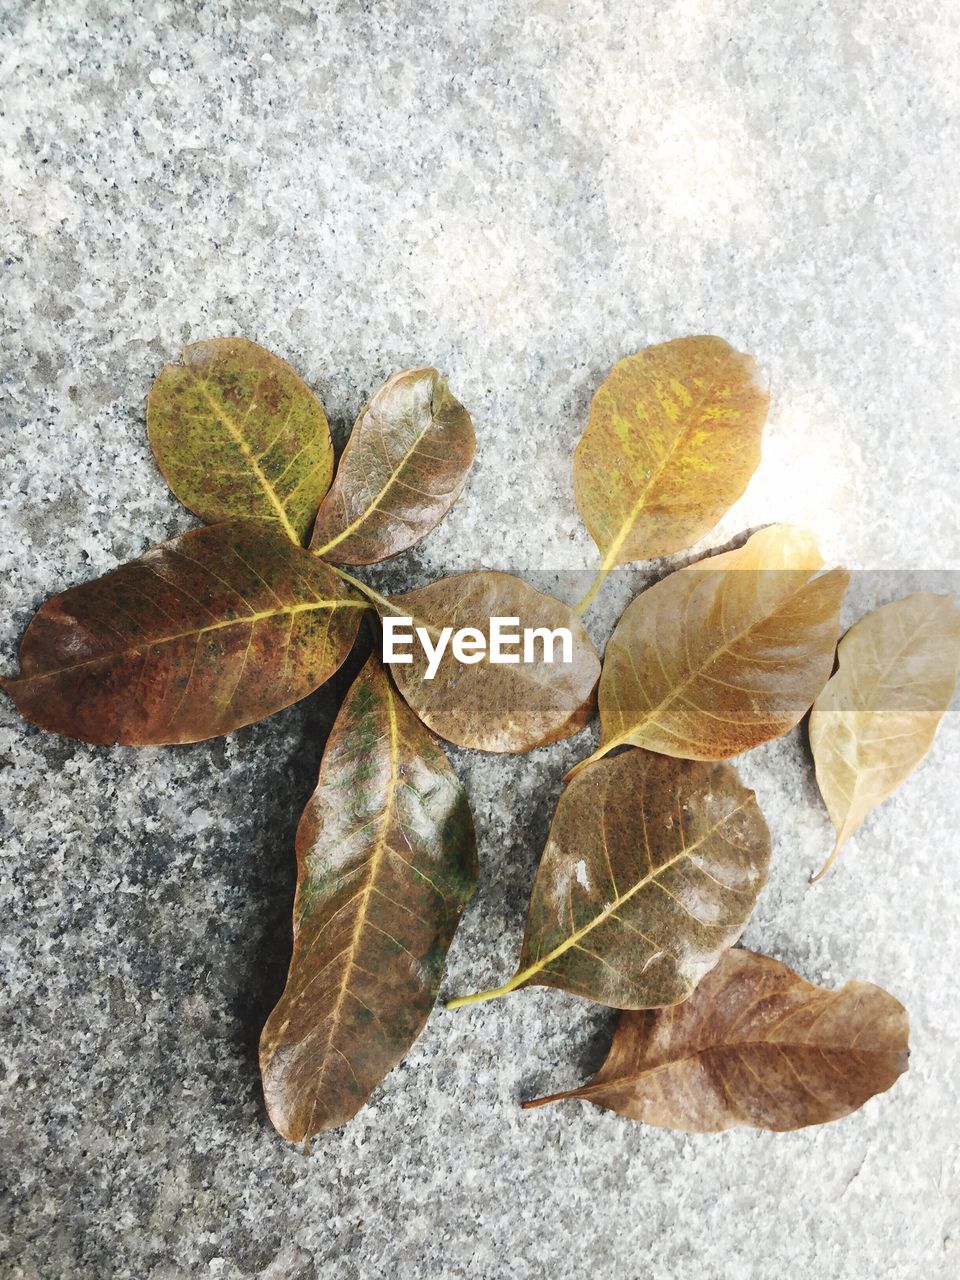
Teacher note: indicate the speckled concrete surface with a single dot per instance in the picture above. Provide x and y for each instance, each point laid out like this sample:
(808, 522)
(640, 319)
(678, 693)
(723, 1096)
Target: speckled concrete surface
(520, 194)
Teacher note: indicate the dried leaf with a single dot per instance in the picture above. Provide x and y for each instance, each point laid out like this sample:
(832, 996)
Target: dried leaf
(651, 870)
(673, 438)
(877, 717)
(210, 631)
(495, 707)
(237, 433)
(386, 861)
(402, 470)
(754, 1045)
(724, 654)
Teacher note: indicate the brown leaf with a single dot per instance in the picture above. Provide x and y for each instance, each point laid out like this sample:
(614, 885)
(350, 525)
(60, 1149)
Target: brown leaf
(495, 707)
(205, 633)
(386, 861)
(754, 1045)
(877, 717)
(725, 654)
(237, 433)
(673, 438)
(402, 470)
(651, 870)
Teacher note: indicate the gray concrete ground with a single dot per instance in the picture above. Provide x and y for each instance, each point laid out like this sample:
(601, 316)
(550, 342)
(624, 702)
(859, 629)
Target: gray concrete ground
(520, 194)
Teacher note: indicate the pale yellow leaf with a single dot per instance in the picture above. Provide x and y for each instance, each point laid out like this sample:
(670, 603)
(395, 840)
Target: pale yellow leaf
(876, 718)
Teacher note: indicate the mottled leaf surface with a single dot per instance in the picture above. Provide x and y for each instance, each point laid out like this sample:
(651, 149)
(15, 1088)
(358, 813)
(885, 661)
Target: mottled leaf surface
(386, 862)
(404, 467)
(877, 717)
(210, 631)
(651, 870)
(724, 654)
(489, 706)
(673, 438)
(237, 433)
(754, 1045)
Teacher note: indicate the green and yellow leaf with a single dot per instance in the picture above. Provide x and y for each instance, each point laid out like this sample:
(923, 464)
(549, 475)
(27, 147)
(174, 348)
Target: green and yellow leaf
(237, 433)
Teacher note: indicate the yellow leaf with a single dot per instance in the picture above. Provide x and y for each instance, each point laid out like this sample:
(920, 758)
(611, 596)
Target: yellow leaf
(673, 438)
(237, 433)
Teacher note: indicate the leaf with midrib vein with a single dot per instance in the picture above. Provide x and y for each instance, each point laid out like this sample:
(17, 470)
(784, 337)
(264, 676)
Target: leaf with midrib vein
(237, 433)
(259, 623)
(386, 862)
(673, 438)
(625, 838)
(867, 735)
(754, 1045)
(674, 641)
(543, 962)
(372, 869)
(404, 466)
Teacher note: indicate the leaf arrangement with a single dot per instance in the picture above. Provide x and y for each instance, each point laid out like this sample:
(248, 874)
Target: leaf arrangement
(656, 853)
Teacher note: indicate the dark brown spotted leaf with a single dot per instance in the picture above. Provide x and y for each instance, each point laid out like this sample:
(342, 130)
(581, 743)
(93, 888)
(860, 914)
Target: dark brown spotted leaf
(205, 633)
(651, 870)
(237, 433)
(496, 707)
(725, 654)
(402, 470)
(386, 862)
(754, 1045)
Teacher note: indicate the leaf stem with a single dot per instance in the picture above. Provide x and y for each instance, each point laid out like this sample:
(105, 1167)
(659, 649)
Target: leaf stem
(549, 1097)
(827, 865)
(581, 608)
(461, 1002)
(368, 591)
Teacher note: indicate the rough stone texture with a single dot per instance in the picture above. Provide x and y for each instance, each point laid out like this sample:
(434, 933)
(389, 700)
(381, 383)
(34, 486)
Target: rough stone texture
(519, 194)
